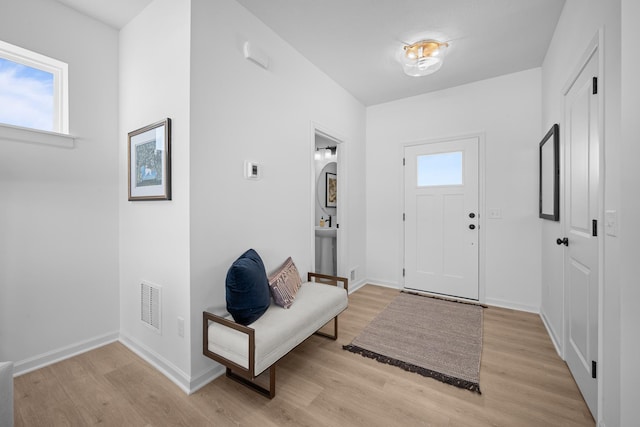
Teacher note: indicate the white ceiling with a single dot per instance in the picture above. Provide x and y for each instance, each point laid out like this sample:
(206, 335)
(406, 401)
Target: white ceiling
(356, 42)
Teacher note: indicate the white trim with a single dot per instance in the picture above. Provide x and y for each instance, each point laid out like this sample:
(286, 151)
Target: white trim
(551, 333)
(481, 204)
(354, 286)
(35, 136)
(205, 378)
(496, 302)
(384, 283)
(493, 302)
(591, 50)
(342, 214)
(45, 359)
(171, 371)
(601, 254)
(188, 384)
(60, 72)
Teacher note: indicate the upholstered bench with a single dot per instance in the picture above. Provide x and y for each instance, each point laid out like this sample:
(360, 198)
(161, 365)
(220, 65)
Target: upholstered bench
(247, 351)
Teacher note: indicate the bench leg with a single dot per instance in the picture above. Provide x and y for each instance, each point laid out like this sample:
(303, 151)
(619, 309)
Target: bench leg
(335, 331)
(252, 384)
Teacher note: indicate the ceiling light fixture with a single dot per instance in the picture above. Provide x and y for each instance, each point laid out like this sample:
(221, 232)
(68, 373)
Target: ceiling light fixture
(423, 58)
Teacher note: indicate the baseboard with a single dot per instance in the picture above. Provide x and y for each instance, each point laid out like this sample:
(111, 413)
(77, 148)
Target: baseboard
(512, 305)
(551, 333)
(31, 364)
(168, 369)
(383, 283)
(488, 301)
(186, 383)
(354, 286)
(205, 378)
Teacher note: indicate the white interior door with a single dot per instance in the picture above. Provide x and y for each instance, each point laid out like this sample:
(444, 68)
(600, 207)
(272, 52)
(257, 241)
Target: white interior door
(582, 149)
(441, 217)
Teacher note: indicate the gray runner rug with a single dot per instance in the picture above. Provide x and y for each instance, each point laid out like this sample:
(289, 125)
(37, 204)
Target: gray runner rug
(432, 337)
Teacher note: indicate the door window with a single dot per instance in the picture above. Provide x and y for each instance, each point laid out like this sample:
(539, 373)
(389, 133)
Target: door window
(440, 169)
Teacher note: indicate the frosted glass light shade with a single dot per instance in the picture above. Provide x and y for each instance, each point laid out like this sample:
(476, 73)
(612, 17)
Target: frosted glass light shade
(423, 58)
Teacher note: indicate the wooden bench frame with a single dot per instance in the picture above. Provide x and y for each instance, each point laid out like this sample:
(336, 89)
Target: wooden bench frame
(246, 376)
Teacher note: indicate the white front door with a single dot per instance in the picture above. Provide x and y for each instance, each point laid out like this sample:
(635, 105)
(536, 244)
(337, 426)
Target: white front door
(441, 217)
(582, 166)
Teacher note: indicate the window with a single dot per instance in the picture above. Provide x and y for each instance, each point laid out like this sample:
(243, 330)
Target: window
(33, 90)
(440, 169)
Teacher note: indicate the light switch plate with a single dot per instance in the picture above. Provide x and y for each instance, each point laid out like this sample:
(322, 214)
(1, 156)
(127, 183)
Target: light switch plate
(252, 170)
(180, 326)
(611, 223)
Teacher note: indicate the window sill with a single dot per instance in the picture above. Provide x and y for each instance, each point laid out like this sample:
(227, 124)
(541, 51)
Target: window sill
(35, 136)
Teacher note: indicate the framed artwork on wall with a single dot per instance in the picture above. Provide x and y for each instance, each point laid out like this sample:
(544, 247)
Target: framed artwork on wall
(331, 194)
(549, 206)
(150, 162)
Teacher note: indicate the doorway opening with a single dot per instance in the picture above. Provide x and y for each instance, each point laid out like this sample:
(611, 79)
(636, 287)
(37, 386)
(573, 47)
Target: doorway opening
(326, 155)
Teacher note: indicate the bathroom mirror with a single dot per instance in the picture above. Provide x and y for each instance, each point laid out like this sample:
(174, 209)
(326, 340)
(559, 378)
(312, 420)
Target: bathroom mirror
(330, 170)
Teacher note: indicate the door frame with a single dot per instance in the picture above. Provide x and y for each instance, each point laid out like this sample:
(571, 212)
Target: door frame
(481, 204)
(341, 217)
(594, 47)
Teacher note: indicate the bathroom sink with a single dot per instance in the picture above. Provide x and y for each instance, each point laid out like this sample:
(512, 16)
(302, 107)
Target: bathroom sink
(326, 231)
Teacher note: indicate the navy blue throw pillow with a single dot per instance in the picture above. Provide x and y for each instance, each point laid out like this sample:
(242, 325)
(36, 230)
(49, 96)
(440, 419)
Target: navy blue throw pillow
(247, 286)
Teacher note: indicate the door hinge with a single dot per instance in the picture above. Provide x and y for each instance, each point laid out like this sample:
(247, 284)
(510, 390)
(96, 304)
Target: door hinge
(403, 161)
(403, 272)
(594, 227)
(594, 369)
(595, 85)
(403, 217)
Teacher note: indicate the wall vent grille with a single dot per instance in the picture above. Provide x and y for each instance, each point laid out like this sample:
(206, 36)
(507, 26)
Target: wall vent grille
(150, 305)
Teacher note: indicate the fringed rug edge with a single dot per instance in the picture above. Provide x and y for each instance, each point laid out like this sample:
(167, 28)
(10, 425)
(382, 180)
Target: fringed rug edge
(447, 379)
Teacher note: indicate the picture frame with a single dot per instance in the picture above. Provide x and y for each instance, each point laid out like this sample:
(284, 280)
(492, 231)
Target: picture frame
(331, 190)
(549, 200)
(149, 160)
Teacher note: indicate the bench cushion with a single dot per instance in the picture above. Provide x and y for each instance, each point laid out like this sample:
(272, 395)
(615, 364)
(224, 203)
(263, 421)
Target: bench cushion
(280, 330)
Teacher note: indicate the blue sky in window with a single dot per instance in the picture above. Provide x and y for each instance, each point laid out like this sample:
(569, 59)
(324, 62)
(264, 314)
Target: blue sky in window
(440, 169)
(26, 96)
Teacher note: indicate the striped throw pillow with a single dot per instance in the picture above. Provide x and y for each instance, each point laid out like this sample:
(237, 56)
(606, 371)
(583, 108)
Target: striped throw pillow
(284, 283)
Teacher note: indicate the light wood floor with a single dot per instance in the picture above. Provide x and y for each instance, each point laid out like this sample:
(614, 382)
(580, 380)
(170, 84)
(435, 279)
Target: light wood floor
(523, 383)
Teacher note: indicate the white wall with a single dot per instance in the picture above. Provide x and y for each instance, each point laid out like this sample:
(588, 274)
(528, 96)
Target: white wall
(58, 207)
(240, 112)
(578, 24)
(507, 110)
(154, 235)
(630, 207)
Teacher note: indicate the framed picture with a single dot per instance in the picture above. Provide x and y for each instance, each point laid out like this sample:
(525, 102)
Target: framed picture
(331, 194)
(549, 206)
(150, 162)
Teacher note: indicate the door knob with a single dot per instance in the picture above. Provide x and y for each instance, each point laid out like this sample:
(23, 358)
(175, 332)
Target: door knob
(472, 227)
(563, 241)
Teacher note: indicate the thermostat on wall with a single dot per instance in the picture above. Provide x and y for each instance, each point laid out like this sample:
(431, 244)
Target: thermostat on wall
(252, 170)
